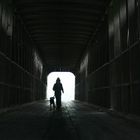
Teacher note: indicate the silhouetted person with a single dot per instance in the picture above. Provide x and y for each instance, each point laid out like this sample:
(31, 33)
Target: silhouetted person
(57, 89)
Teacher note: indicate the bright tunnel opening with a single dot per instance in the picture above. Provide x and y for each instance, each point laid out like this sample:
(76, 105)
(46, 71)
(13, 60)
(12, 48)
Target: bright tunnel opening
(68, 82)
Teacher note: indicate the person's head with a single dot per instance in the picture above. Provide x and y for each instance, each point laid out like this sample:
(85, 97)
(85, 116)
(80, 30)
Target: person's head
(58, 80)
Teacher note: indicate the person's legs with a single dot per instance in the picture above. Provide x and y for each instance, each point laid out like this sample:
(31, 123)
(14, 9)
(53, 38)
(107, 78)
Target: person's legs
(58, 101)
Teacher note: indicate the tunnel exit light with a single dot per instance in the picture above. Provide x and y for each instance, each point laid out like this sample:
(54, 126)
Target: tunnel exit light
(68, 82)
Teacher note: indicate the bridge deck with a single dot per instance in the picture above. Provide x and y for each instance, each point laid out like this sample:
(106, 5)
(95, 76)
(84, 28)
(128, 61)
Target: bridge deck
(75, 121)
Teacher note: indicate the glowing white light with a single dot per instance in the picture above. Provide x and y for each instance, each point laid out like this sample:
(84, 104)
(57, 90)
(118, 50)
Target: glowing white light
(68, 82)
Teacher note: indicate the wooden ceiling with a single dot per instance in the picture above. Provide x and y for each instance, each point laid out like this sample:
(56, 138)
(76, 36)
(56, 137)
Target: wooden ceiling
(62, 29)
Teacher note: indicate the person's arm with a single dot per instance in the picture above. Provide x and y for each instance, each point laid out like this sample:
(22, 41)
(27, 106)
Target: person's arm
(62, 88)
(54, 87)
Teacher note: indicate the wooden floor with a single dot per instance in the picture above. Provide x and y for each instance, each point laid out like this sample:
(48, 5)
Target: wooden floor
(75, 121)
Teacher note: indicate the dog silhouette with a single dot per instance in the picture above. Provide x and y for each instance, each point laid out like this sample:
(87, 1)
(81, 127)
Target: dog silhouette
(52, 103)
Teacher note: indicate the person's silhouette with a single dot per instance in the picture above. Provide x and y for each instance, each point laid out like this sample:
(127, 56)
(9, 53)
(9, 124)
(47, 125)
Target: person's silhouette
(57, 88)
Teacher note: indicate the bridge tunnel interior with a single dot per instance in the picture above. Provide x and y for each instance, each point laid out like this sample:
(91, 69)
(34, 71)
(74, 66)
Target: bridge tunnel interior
(97, 40)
